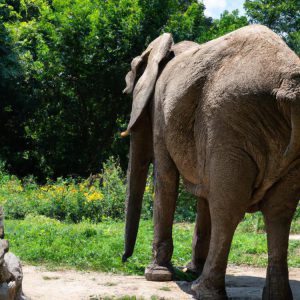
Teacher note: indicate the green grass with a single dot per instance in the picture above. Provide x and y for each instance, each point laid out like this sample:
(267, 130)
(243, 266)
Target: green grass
(40, 240)
(123, 298)
(165, 288)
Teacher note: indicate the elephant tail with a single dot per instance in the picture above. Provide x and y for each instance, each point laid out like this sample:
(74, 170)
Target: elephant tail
(289, 93)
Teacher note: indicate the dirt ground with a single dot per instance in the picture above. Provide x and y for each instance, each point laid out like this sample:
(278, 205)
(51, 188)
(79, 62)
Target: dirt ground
(39, 283)
(241, 282)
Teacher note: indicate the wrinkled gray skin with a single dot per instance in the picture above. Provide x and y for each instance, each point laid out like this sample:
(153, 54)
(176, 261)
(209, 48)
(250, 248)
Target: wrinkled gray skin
(224, 115)
(11, 275)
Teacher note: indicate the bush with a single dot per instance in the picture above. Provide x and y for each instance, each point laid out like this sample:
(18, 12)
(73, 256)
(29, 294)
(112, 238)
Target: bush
(95, 199)
(99, 197)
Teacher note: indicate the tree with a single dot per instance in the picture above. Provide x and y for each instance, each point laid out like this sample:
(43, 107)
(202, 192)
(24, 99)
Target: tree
(228, 22)
(13, 107)
(190, 24)
(74, 56)
(282, 16)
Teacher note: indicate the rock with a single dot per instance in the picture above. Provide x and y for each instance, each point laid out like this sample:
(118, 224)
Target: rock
(11, 275)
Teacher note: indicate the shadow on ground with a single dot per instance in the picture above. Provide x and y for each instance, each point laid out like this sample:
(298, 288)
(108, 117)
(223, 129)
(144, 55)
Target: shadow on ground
(243, 287)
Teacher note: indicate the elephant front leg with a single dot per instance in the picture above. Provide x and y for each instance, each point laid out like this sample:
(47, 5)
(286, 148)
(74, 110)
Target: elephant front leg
(201, 238)
(166, 192)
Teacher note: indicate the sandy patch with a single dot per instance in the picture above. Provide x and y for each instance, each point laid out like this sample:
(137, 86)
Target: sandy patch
(39, 283)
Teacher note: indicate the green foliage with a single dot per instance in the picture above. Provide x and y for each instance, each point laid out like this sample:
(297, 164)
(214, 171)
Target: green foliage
(186, 206)
(12, 104)
(63, 72)
(228, 22)
(190, 24)
(74, 56)
(253, 223)
(282, 16)
(97, 198)
(40, 240)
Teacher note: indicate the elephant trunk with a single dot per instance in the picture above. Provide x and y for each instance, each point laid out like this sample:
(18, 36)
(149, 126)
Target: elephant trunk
(140, 157)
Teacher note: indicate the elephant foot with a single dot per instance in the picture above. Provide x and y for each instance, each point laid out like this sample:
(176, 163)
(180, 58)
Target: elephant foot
(277, 286)
(203, 292)
(155, 272)
(278, 292)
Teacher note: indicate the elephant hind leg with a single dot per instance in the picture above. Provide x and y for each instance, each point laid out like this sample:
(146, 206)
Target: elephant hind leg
(278, 210)
(232, 175)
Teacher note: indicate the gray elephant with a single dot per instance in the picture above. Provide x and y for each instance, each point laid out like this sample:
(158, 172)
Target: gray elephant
(225, 116)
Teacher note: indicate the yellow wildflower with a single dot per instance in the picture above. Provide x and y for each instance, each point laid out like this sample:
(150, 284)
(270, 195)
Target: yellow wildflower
(60, 189)
(19, 188)
(81, 187)
(94, 196)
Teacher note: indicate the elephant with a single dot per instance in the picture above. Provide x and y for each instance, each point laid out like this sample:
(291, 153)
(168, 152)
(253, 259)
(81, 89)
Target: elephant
(225, 117)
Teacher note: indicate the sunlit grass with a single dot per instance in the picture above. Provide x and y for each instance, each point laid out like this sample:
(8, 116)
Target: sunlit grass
(40, 240)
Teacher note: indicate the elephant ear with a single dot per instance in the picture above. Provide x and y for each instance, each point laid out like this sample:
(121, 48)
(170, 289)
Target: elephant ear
(143, 89)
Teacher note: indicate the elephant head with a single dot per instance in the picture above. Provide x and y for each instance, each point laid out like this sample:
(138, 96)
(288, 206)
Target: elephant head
(141, 148)
(148, 66)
